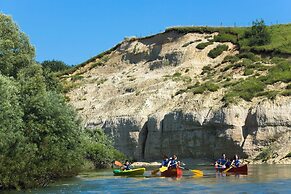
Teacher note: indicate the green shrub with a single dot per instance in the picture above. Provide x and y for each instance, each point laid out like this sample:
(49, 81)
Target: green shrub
(265, 154)
(217, 51)
(258, 34)
(248, 55)
(231, 59)
(246, 89)
(286, 93)
(270, 94)
(207, 86)
(191, 42)
(177, 74)
(206, 69)
(288, 86)
(76, 77)
(198, 90)
(99, 148)
(280, 72)
(226, 37)
(96, 64)
(203, 45)
(288, 155)
(248, 72)
(211, 86)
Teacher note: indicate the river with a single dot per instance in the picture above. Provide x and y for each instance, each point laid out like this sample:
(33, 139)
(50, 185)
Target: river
(260, 179)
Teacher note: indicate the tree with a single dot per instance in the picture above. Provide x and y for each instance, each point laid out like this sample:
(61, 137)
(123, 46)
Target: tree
(15, 50)
(258, 34)
(55, 65)
(15, 151)
(99, 148)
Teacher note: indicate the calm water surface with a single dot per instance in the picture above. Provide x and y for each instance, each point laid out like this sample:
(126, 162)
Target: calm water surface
(261, 179)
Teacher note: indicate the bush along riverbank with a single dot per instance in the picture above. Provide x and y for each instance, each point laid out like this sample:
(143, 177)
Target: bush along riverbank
(41, 136)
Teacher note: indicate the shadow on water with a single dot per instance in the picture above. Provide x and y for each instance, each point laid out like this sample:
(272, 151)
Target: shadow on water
(261, 178)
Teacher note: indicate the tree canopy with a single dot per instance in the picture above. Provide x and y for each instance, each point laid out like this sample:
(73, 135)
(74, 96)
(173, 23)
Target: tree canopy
(16, 51)
(41, 135)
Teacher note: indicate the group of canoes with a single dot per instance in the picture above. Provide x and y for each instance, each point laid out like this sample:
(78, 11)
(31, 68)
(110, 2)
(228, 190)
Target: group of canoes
(171, 167)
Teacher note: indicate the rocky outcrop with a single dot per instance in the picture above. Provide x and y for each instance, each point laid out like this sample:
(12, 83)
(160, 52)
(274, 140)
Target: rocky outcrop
(246, 131)
(133, 97)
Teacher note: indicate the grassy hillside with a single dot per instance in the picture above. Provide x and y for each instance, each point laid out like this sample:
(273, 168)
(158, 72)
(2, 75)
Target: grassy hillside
(280, 37)
(263, 70)
(259, 70)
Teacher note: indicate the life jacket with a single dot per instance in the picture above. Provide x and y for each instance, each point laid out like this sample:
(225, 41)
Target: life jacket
(165, 162)
(173, 163)
(221, 161)
(126, 167)
(236, 163)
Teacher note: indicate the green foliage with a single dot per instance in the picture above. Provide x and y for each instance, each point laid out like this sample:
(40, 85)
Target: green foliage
(246, 89)
(99, 148)
(207, 86)
(203, 45)
(52, 81)
(279, 72)
(265, 154)
(41, 137)
(288, 155)
(55, 65)
(248, 55)
(258, 34)
(231, 59)
(270, 94)
(286, 92)
(217, 51)
(206, 69)
(248, 72)
(15, 50)
(178, 77)
(226, 37)
(76, 77)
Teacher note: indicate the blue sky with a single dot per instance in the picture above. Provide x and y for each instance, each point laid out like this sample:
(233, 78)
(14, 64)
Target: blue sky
(75, 30)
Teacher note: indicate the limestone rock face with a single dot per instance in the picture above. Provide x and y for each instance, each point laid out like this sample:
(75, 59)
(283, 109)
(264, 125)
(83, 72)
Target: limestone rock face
(133, 94)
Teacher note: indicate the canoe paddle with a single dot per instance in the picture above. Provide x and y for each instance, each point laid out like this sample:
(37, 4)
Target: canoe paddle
(196, 172)
(117, 163)
(162, 169)
(227, 169)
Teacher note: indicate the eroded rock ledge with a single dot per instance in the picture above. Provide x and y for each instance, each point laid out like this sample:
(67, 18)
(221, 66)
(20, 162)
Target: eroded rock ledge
(250, 132)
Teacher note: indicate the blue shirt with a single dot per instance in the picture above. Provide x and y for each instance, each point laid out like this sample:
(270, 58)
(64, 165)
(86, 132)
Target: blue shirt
(165, 162)
(221, 161)
(236, 163)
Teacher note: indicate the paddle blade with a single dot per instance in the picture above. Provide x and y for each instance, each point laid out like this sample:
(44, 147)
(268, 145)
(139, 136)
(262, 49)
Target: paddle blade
(227, 169)
(197, 172)
(154, 172)
(163, 169)
(117, 163)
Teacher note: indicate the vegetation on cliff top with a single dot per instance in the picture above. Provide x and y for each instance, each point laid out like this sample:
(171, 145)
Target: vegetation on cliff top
(259, 46)
(262, 62)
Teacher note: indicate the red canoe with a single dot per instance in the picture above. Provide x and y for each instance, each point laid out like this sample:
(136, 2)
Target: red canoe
(172, 172)
(237, 170)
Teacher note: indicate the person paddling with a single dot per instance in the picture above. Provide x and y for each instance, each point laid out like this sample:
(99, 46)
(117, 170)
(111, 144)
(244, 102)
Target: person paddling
(235, 162)
(173, 162)
(222, 162)
(165, 161)
(126, 165)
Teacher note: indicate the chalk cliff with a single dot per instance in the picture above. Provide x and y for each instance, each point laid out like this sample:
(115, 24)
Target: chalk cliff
(138, 93)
